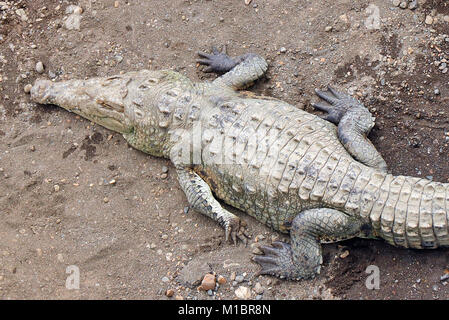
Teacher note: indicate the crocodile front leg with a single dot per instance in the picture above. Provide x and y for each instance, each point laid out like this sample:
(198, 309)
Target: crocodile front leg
(239, 72)
(201, 199)
(354, 123)
(302, 259)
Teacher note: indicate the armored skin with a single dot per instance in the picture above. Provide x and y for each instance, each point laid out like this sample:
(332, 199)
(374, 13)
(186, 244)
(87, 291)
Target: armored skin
(317, 178)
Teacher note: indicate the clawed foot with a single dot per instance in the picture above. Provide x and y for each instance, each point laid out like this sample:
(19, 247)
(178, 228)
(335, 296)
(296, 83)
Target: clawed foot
(277, 260)
(218, 62)
(236, 229)
(338, 104)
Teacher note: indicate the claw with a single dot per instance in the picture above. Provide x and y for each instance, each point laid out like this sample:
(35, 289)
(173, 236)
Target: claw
(322, 107)
(204, 55)
(326, 97)
(335, 92)
(235, 229)
(218, 61)
(203, 61)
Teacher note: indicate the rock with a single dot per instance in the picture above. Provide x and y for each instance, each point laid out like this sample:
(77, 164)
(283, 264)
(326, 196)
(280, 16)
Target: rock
(446, 18)
(258, 289)
(27, 88)
(243, 293)
(169, 293)
(39, 67)
(232, 278)
(344, 254)
(56, 188)
(164, 169)
(429, 20)
(164, 176)
(221, 280)
(178, 297)
(21, 13)
(403, 4)
(73, 9)
(208, 282)
(165, 279)
(413, 5)
(60, 257)
(282, 50)
(396, 3)
(73, 21)
(328, 29)
(247, 2)
(436, 91)
(239, 279)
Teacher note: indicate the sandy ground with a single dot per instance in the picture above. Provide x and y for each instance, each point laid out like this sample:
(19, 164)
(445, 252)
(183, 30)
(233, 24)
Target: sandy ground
(74, 194)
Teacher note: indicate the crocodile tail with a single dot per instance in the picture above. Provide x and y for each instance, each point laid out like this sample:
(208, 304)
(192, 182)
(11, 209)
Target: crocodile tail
(412, 212)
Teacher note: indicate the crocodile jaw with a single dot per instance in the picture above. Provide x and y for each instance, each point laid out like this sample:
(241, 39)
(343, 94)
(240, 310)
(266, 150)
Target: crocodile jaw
(80, 101)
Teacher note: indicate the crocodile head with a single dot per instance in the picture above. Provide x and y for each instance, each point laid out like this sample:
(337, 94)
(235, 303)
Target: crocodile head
(90, 100)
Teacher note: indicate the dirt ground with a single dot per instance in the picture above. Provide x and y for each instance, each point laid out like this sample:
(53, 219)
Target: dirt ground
(74, 194)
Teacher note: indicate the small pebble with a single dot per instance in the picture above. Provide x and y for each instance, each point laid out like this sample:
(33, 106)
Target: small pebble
(282, 50)
(429, 20)
(221, 280)
(239, 279)
(165, 279)
(56, 188)
(413, 5)
(164, 176)
(243, 293)
(169, 293)
(437, 91)
(258, 288)
(27, 88)
(396, 3)
(105, 200)
(208, 282)
(403, 4)
(39, 67)
(164, 169)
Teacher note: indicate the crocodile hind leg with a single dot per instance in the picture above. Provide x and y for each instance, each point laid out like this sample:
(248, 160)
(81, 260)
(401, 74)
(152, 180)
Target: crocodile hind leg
(201, 199)
(239, 72)
(302, 259)
(354, 123)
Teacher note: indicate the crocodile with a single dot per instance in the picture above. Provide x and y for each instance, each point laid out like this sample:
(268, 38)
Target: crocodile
(316, 177)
